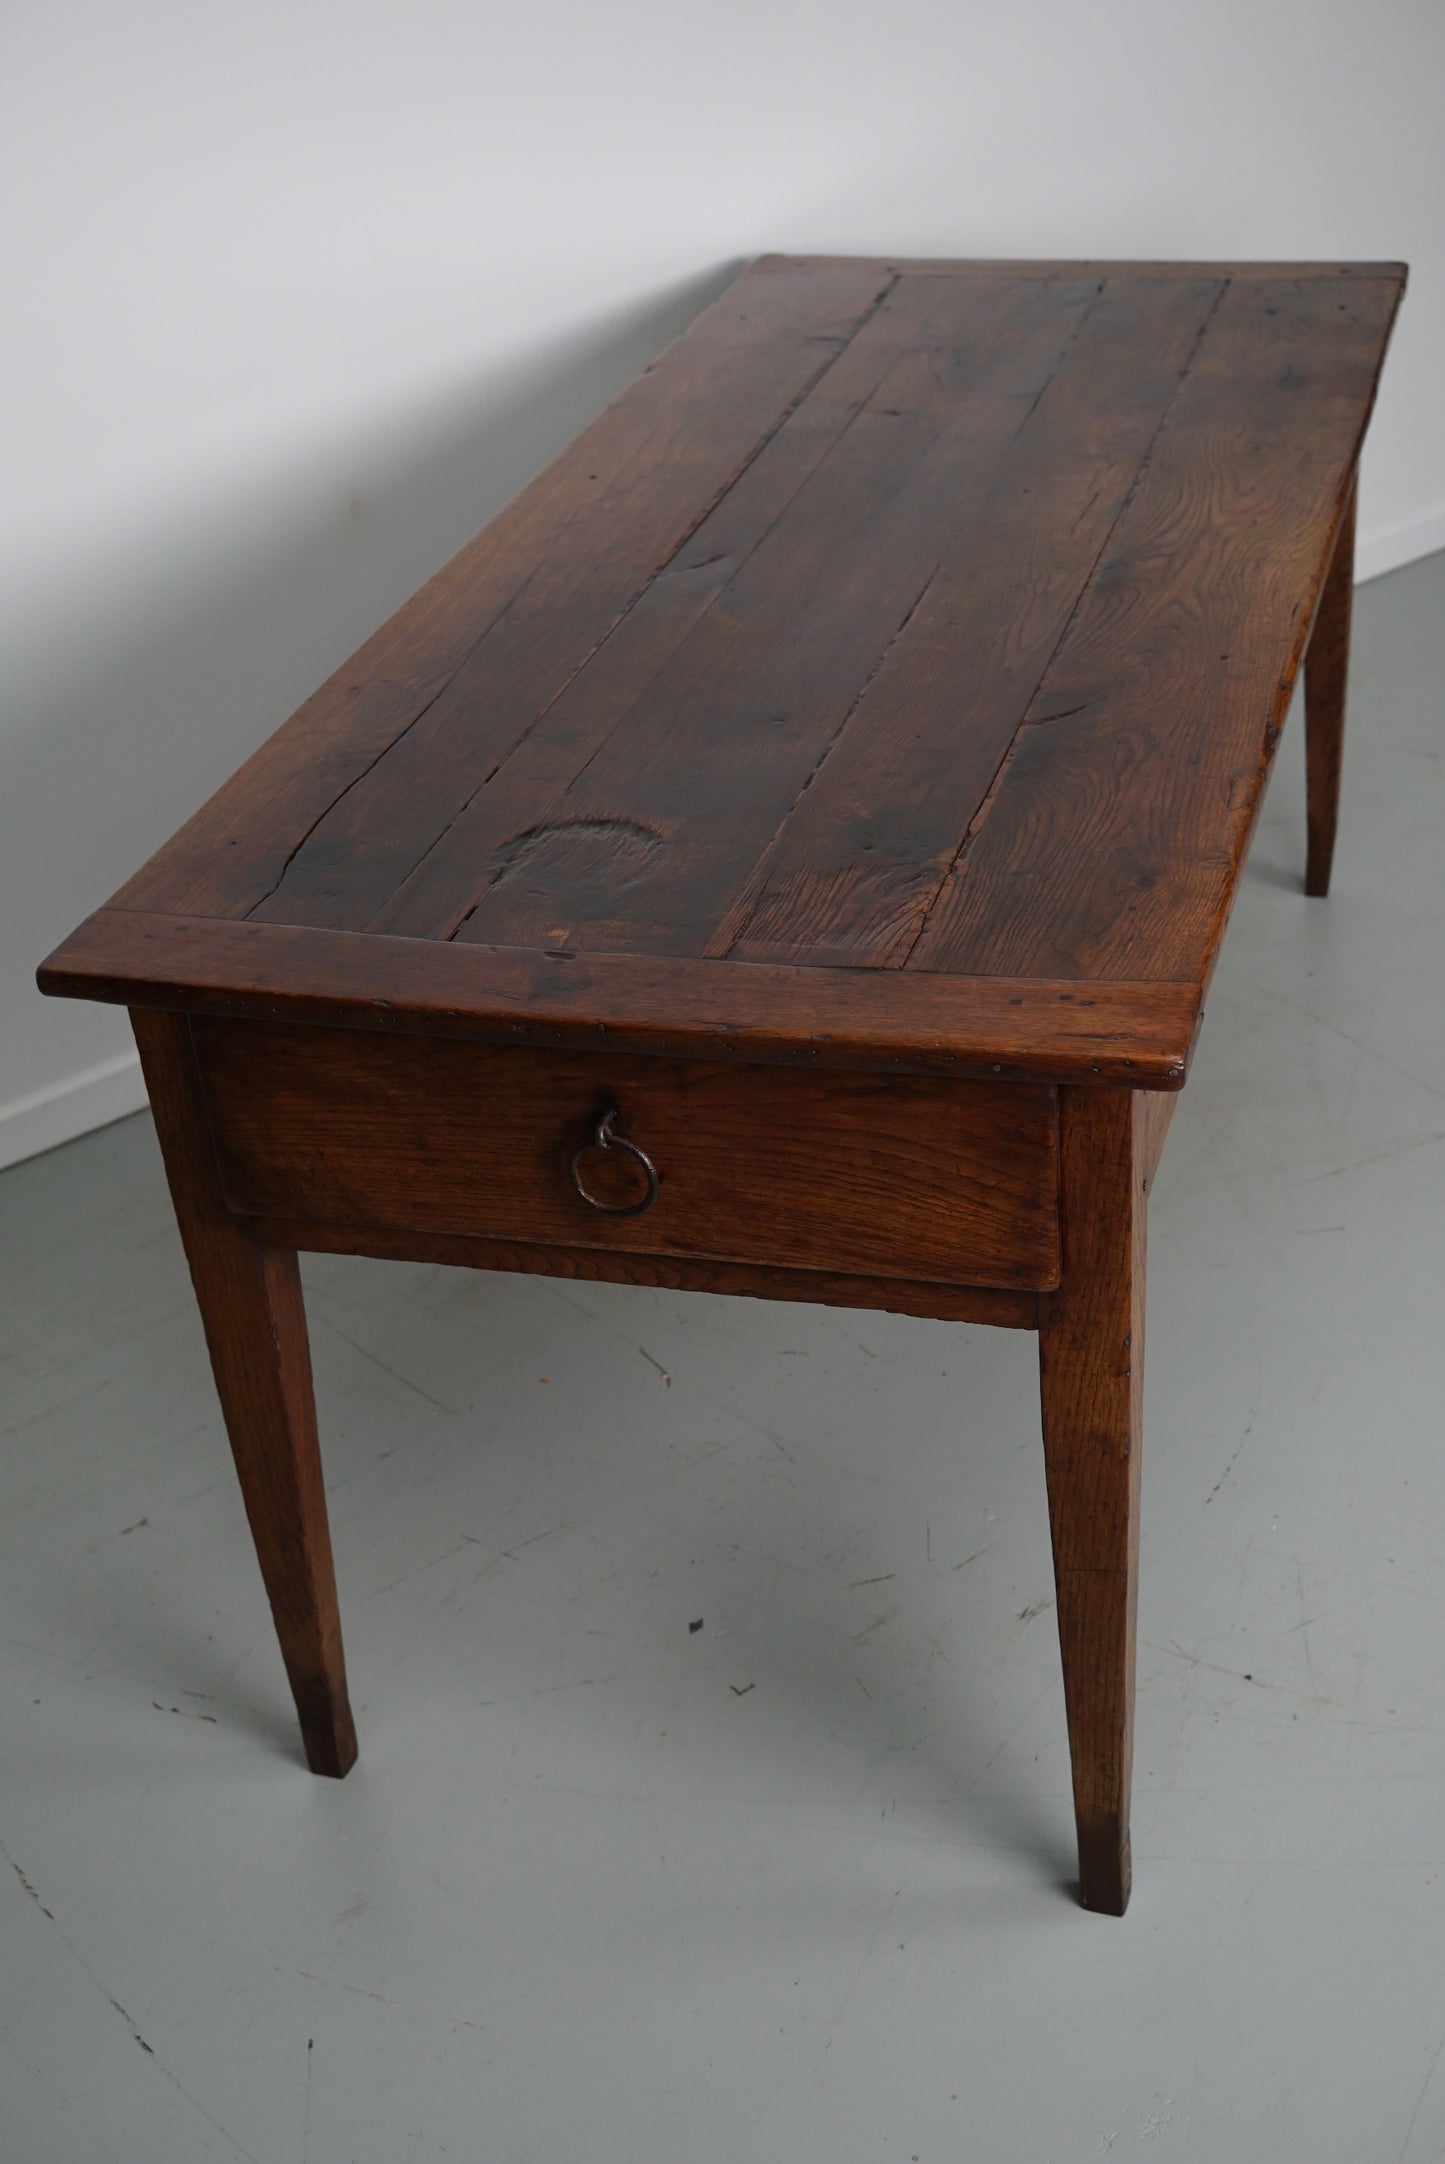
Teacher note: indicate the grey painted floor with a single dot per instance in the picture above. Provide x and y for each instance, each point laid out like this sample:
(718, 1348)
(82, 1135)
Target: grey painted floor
(604, 1890)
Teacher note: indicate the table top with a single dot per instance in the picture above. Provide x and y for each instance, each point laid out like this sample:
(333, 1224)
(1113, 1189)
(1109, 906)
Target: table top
(888, 678)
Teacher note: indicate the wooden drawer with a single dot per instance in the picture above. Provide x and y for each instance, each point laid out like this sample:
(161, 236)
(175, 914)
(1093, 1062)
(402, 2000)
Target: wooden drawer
(949, 1182)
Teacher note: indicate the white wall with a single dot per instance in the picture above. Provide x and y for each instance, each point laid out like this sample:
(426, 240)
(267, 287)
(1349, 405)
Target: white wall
(301, 290)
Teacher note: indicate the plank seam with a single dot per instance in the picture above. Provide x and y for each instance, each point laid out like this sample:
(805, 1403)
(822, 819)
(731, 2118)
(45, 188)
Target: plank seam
(746, 916)
(971, 831)
(743, 560)
(492, 622)
(793, 406)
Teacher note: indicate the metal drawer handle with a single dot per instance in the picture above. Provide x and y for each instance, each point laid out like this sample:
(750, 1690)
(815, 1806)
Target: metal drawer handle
(604, 1139)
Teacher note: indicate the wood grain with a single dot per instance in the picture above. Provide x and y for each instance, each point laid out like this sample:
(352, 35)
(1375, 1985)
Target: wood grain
(1156, 1115)
(867, 1020)
(1327, 668)
(888, 1175)
(249, 1294)
(407, 847)
(683, 667)
(719, 744)
(1091, 1365)
(929, 618)
(555, 570)
(1117, 831)
(674, 1273)
(840, 764)
(859, 857)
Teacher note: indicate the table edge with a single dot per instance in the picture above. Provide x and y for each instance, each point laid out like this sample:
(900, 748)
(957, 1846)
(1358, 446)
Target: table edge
(1086, 266)
(1025, 1029)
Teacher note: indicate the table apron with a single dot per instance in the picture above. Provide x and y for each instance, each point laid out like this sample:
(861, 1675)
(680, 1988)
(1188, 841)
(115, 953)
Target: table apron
(834, 1171)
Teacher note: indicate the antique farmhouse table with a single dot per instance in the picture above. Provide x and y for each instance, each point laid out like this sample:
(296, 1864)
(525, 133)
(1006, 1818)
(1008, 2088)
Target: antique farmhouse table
(785, 853)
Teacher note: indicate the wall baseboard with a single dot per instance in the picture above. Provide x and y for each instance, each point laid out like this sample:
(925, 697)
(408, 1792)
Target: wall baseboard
(73, 1107)
(1399, 545)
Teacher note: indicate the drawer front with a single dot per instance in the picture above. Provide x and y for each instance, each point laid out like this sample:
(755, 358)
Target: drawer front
(949, 1182)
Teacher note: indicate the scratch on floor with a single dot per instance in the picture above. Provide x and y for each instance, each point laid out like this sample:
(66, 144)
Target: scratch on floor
(1254, 1411)
(111, 2000)
(776, 1440)
(1304, 1630)
(1157, 2121)
(1018, 1726)
(842, 2007)
(334, 1983)
(1419, 2102)
(1197, 1660)
(848, 1664)
(1375, 1157)
(455, 1547)
(395, 1374)
(968, 1559)
(1229, 1468)
(1371, 1050)
(511, 1554)
(29, 1888)
(611, 1329)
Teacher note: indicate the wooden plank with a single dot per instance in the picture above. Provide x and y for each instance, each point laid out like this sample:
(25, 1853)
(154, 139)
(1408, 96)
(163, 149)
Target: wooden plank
(554, 570)
(642, 851)
(870, 1020)
(888, 1175)
(1112, 845)
(862, 853)
(675, 1273)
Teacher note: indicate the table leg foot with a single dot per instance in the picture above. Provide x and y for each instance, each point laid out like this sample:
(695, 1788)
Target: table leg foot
(1091, 1359)
(1327, 664)
(328, 1733)
(255, 1325)
(1105, 1871)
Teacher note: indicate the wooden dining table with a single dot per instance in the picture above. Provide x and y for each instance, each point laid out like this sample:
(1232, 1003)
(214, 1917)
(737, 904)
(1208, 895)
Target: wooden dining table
(786, 853)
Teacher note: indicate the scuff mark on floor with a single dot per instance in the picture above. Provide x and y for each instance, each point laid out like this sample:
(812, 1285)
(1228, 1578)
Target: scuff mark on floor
(969, 1559)
(1419, 2102)
(376, 1361)
(1357, 1164)
(111, 2000)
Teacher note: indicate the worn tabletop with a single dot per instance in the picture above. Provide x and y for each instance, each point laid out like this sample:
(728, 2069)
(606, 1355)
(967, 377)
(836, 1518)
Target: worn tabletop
(889, 677)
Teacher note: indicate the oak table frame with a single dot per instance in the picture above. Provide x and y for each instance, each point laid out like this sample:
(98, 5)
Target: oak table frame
(786, 853)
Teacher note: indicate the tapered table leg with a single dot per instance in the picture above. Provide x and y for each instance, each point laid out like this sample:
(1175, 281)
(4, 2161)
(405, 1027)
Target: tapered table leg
(1091, 1359)
(1327, 664)
(250, 1301)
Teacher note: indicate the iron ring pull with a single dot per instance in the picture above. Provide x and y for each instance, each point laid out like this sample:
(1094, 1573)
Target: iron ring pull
(602, 1138)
